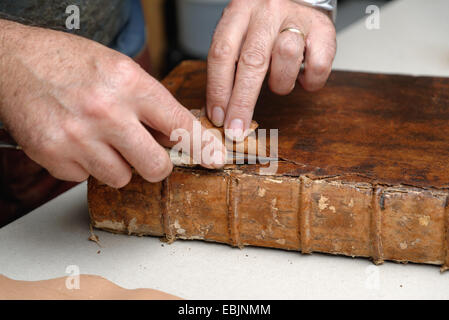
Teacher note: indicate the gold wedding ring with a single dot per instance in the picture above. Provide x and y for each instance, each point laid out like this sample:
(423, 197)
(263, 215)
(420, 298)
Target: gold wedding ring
(295, 30)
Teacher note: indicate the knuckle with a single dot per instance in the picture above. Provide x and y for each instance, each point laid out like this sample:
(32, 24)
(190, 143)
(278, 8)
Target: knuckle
(289, 50)
(321, 68)
(254, 58)
(74, 131)
(126, 73)
(96, 110)
(221, 49)
(96, 104)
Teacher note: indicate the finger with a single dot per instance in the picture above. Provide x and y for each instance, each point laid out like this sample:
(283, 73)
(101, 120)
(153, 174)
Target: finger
(142, 151)
(221, 60)
(70, 171)
(163, 113)
(320, 53)
(252, 67)
(57, 159)
(287, 56)
(105, 164)
(207, 154)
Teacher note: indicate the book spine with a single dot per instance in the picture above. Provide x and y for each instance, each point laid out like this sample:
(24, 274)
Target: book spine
(398, 223)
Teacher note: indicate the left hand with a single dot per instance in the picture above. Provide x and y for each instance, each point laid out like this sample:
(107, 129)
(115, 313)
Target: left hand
(249, 34)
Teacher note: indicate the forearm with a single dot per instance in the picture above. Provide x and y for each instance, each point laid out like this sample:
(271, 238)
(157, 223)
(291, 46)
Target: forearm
(22, 52)
(77, 107)
(14, 38)
(32, 58)
(9, 32)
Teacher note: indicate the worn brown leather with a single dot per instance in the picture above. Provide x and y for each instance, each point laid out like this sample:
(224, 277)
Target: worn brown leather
(390, 128)
(363, 171)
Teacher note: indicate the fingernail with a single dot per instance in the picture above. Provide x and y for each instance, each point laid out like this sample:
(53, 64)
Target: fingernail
(236, 130)
(219, 159)
(217, 116)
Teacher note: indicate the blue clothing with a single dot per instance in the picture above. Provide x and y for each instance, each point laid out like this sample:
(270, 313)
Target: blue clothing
(129, 35)
(131, 39)
(118, 24)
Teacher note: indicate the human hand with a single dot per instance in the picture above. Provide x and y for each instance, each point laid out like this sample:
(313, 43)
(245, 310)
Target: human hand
(248, 39)
(79, 108)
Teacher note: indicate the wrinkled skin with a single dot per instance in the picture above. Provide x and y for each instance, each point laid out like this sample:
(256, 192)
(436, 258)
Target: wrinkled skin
(248, 44)
(78, 108)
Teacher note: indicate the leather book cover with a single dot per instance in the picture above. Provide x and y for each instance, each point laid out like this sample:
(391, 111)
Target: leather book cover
(363, 170)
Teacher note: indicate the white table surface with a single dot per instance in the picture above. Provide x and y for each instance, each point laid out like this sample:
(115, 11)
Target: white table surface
(413, 39)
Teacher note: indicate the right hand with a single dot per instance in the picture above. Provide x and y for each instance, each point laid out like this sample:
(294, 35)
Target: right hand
(79, 108)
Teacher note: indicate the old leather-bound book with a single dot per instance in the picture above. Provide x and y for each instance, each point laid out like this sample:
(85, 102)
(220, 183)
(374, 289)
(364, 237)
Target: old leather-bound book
(363, 170)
